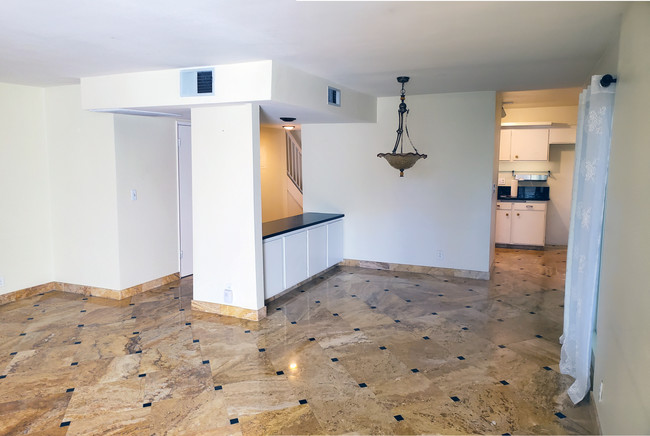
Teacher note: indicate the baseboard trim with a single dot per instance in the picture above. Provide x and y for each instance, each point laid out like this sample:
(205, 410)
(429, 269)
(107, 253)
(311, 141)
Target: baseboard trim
(20, 294)
(226, 310)
(89, 291)
(304, 282)
(431, 270)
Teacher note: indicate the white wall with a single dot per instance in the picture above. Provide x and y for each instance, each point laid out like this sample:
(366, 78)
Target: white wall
(273, 170)
(309, 93)
(83, 182)
(277, 199)
(249, 81)
(25, 233)
(145, 150)
(623, 350)
(443, 203)
(227, 209)
(560, 163)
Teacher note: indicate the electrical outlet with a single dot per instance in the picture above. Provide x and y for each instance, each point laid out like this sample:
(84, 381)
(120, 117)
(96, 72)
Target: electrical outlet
(502, 180)
(134, 194)
(227, 295)
(2, 281)
(440, 255)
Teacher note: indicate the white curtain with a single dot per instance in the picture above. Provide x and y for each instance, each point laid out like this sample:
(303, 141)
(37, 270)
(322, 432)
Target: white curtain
(585, 233)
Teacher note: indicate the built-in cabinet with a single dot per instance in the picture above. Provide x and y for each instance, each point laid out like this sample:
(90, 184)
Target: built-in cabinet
(562, 135)
(521, 223)
(294, 257)
(524, 144)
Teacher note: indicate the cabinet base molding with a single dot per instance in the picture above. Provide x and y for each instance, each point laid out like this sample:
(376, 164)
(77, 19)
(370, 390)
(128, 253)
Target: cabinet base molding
(226, 310)
(88, 291)
(304, 282)
(431, 270)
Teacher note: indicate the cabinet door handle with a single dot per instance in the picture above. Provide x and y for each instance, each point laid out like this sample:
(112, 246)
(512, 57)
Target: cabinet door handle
(529, 206)
(516, 156)
(507, 214)
(517, 213)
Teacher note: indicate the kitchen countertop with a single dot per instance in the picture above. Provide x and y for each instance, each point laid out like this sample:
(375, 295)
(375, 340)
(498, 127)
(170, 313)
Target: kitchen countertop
(286, 225)
(517, 200)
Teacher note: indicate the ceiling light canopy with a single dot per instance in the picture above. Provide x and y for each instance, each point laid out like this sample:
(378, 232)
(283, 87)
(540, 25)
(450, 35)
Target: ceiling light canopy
(401, 160)
(288, 120)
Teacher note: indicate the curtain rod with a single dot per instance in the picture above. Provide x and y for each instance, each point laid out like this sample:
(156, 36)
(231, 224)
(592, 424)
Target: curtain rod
(607, 80)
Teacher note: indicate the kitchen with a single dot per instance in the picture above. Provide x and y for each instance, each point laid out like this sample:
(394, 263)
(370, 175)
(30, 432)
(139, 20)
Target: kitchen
(537, 152)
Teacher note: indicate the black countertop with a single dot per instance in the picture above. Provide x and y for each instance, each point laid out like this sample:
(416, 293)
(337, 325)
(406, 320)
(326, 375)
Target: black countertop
(519, 200)
(286, 225)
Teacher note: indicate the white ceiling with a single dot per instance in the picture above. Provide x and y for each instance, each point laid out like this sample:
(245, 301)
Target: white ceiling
(443, 46)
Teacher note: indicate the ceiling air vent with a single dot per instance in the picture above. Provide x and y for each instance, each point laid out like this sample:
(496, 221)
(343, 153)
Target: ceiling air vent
(333, 96)
(197, 82)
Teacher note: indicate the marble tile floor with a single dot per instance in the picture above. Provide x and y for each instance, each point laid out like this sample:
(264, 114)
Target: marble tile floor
(354, 351)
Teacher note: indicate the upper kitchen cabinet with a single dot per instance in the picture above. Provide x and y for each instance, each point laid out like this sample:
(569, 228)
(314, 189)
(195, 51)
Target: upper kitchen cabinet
(524, 144)
(562, 135)
(505, 144)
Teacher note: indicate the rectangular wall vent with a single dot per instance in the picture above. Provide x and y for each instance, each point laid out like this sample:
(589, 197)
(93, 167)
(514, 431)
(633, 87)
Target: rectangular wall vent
(333, 96)
(204, 82)
(197, 82)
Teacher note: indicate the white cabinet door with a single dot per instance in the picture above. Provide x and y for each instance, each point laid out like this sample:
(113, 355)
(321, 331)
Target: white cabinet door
(529, 144)
(334, 242)
(563, 135)
(273, 267)
(317, 241)
(502, 230)
(504, 144)
(528, 224)
(295, 258)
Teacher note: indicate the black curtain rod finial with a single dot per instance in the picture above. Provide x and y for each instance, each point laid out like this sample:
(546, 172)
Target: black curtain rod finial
(607, 80)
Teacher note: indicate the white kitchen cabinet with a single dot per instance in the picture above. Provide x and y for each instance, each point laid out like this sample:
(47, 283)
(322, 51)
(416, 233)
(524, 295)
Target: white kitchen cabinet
(503, 222)
(529, 144)
(520, 223)
(528, 224)
(562, 135)
(505, 144)
(334, 242)
(273, 265)
(295, 258)
(317, 242)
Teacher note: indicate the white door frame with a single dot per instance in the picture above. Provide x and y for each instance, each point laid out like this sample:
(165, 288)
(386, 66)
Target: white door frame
(184, 178)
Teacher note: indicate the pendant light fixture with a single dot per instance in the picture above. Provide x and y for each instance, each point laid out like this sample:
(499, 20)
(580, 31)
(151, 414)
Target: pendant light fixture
(401, 160)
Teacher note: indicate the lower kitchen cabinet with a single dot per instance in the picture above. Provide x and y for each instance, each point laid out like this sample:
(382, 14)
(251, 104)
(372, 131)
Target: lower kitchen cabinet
(521, 223)
(293, 257)
(503, 223)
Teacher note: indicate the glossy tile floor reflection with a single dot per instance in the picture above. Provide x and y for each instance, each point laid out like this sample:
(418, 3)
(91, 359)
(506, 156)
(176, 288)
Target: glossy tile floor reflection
(357, 350)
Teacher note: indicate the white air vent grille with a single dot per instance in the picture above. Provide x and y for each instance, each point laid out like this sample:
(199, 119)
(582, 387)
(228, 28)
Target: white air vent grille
(197, 82)
(333, 96)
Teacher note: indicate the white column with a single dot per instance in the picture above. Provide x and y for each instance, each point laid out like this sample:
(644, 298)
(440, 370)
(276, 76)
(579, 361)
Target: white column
(227, 207)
